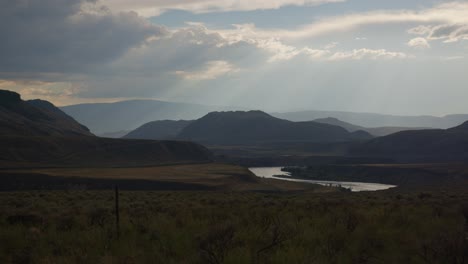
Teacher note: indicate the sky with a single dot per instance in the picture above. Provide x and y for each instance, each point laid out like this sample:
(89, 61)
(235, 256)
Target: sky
(405, 57)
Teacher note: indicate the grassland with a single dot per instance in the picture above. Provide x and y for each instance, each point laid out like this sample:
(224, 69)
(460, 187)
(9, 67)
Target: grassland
(227, 215)
(206, 176)
(233, 227)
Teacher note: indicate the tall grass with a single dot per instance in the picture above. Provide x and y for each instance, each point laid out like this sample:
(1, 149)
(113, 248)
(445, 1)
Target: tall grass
(216, 227)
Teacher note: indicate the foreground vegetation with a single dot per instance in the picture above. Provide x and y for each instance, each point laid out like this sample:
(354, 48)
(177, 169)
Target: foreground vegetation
(227, 227)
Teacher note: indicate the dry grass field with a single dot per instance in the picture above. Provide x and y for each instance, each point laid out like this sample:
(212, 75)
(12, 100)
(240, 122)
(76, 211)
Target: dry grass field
(234, 227)
(216, 176)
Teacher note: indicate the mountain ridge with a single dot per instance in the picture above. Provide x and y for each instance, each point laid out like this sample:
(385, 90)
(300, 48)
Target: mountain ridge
(105, 118)
(128, 115)
(375, 131)
(373, 120)
(432, 145)
(252, 127)
(37, 133)
(35, 117)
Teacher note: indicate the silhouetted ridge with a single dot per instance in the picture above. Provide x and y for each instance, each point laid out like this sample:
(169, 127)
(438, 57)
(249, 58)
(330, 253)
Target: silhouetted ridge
(35, 118)
(37, 132)
(9, 97)
(373, 120)
(128, 115)
(258, 127)
(462, 127)
(361, 135)
(337, 122)
(159, 130)
(430, 145)
(374, 131)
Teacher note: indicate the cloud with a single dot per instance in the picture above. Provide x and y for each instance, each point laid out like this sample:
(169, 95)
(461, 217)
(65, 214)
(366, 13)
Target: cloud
(210, 71)
(150, 8)
(419, 43)
(372, 54)
(447, 32)
(283, 52)
(184, 50)
(448, 13)
(66, 36)
(89, 51)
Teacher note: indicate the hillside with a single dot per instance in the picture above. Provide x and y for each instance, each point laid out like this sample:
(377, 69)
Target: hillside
(37, 133)
(417, 146)
(128, 115)
(35, 118)
(336, 122)
(159, 130)
(378, 120)
(375, 131)
(256, 127)
(93, 151)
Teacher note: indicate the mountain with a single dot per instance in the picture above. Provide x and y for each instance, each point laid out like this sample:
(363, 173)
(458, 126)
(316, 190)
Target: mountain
(378, 120)
(128, 115)
(38, 133)
(35, 118)
(109, 118)
(159, 130)
(419, 146)
(336, 122)
(117, 134)
(461, 128)
(375, 131)
(385, 131)
(256, 127)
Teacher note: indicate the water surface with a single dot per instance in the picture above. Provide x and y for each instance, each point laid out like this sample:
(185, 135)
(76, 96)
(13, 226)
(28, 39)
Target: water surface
(272, 172)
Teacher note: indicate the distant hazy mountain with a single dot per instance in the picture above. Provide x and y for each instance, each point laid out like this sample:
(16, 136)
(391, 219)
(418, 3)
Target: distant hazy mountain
(375, 131)
(108, 119)
(256, 127)
(159, 130)
(420, 145)
(117, 134)
(35, 118)
(378, 120)
(336, 122)
(385, 131)
(128, 115)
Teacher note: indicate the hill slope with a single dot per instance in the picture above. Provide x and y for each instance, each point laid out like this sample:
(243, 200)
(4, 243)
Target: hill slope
(36, 132)
(93, 151)
(159, 130)
(127, 115)
(35, 118)
(375, 131)
(255, 127)
(336, 122)
(378, 120)
(419, 146)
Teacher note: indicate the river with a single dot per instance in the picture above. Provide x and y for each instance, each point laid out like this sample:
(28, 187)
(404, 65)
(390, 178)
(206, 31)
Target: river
(271, 172)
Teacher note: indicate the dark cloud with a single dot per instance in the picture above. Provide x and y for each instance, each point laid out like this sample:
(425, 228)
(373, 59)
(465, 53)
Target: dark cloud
(65, 36)
(443, 31)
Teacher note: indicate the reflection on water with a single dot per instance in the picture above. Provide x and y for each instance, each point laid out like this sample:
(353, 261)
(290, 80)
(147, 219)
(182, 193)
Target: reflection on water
(271, 172)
